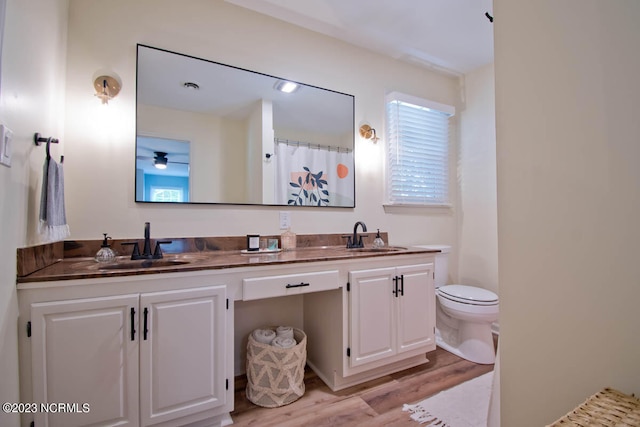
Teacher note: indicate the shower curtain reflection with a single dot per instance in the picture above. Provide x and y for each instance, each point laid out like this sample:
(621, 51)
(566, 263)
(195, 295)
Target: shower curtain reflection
(313, 175)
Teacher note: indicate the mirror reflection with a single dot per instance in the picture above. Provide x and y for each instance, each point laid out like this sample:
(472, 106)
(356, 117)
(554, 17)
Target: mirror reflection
(213, 133)
(163, 166)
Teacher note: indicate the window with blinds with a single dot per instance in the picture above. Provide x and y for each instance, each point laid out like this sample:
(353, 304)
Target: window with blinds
(418, 150)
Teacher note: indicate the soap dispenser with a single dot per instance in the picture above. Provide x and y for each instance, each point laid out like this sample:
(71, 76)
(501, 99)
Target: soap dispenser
(378, 242)
(105, 254)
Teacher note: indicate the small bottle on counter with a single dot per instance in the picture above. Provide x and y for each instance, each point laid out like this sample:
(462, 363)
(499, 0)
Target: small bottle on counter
(378, 242)
(288, 240)
(105, 254)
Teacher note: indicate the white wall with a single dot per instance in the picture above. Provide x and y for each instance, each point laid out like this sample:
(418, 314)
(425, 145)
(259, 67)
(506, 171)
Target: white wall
(478, 217)
(568, 148)
(31, 100)
(100, 141)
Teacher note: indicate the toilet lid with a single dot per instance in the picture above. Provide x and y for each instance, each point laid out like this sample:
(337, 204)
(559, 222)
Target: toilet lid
(468, 294)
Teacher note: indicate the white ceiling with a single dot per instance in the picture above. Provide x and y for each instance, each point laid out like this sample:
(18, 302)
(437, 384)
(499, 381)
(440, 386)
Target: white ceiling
(452, 36)
(231, 92)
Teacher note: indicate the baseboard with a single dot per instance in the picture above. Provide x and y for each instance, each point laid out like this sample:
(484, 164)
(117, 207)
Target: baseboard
(336, 382)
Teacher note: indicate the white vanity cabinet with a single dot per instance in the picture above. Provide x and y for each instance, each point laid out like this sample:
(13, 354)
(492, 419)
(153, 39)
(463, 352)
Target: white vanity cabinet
(382, 321)
(182, 353)
(82, 353)
(137, 359)
(163, 349)
(390, 312)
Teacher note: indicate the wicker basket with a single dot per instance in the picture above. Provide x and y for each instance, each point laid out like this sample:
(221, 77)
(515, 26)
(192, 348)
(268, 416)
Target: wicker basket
(275, 376)
(608, 407)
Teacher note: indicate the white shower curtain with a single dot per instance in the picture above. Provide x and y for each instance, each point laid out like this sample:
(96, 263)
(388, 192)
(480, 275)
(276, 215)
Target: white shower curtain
(313, 176)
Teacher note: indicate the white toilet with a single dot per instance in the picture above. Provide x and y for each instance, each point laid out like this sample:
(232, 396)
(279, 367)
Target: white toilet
(464, 314)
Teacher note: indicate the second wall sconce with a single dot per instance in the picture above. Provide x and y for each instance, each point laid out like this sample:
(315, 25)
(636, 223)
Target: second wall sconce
(367, 132)
(107, 88)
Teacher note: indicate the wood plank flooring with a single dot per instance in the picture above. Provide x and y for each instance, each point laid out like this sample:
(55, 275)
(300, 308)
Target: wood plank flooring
(375, 403)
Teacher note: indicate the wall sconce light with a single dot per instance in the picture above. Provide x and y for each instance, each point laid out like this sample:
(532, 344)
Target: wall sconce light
(367, 132)
(107, 88)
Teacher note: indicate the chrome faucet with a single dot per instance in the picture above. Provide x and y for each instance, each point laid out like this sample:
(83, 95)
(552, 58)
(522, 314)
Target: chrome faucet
(146, 251)
(355, 241)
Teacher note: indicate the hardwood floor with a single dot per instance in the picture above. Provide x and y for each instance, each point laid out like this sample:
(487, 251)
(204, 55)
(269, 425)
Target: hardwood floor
(375, 403)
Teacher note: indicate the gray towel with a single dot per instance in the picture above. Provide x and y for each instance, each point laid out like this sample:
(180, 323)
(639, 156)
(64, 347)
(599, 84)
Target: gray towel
(264, 336)
(285, 331)
(53, 220)
(283, 342)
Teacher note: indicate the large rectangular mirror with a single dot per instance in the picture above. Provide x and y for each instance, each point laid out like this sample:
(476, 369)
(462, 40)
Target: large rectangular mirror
(213, 133)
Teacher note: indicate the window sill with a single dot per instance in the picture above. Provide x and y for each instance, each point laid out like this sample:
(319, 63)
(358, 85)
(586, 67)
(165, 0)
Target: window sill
(436, 209)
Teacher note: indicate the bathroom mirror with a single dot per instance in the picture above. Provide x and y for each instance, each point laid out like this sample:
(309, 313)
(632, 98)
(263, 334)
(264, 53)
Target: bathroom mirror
(212, 133)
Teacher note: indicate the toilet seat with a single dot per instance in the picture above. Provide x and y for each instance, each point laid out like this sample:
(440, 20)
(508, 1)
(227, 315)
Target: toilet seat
(468, 295)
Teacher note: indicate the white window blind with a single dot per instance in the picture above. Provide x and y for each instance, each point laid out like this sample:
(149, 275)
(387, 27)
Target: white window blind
(418, 150)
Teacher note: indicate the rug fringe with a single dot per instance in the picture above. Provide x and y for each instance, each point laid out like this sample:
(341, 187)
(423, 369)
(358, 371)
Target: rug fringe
(465, 405)
(423, 417)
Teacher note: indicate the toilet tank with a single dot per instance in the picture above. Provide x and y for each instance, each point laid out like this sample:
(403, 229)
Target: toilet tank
(441, 263)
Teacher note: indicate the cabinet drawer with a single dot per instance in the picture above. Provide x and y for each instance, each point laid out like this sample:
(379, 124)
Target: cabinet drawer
(290, 284)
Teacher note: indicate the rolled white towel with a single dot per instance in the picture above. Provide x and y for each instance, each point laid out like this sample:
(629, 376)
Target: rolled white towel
(283, 342)
(284, 331)
(264, 336)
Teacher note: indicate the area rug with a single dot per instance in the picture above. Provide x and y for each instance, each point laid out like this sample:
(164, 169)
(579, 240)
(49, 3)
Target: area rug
(465, 405)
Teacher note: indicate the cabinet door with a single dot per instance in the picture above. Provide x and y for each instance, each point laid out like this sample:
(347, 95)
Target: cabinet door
(416, 308)
(83, 352)
(372, 315)
(182, 353)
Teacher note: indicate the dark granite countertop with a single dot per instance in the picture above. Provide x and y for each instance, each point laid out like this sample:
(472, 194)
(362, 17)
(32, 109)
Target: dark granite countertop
(73, 259)
(86, 267)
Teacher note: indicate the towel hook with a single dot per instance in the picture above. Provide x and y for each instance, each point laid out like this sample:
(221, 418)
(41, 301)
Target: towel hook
(38, 140)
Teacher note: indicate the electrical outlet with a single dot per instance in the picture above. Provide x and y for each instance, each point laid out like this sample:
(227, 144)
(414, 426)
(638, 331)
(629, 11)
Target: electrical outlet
(285, 220)
(6, 136)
